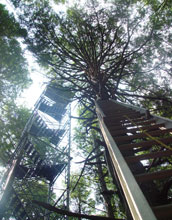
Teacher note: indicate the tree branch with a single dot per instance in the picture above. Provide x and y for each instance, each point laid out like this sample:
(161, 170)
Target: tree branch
(68, 213)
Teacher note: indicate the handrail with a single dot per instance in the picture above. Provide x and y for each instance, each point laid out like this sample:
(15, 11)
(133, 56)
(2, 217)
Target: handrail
(137, 202)
(159, 119)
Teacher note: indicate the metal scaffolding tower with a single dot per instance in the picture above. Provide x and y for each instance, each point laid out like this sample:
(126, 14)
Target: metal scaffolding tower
(139, 158)
(41, 156)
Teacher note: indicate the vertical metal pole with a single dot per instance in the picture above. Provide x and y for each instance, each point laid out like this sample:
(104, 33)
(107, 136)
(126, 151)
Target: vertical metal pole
(47, 213)
(68, 167)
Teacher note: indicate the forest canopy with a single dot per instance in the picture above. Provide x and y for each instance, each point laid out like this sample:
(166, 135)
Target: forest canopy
(118, 49)
(103, 49)
(14, 78)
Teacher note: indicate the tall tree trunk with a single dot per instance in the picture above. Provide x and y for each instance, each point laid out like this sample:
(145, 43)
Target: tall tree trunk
(105, 192)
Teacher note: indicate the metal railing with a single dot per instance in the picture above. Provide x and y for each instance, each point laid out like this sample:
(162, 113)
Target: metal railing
(159, 119)
(137, 202)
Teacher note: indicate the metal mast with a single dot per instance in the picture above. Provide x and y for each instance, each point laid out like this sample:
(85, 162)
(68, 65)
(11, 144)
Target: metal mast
(140, 151)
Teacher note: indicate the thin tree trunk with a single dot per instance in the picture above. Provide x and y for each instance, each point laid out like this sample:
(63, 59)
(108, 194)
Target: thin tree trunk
(105, 193)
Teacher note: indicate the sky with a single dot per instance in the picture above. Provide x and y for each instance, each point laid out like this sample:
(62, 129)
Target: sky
(30, 95)
(39, 81)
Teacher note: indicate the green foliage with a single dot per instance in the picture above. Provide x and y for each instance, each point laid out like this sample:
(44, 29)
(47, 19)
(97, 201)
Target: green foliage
(161, 12)
(13, 79)
(119, 51)
(82, 198)
(89, 47)
(85, 143)
(59, 1)
(13, 68)
(12, 123)
(102, 52)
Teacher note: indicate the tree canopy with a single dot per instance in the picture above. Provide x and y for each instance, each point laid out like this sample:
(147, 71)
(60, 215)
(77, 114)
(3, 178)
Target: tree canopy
(113, 49)
(102, 51)
(14, 76)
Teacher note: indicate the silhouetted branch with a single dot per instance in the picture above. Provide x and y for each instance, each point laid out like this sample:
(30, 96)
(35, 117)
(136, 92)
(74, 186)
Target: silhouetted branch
(68, 213)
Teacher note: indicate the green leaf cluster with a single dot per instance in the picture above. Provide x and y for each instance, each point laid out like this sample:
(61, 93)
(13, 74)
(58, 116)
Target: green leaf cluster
(14, 75)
